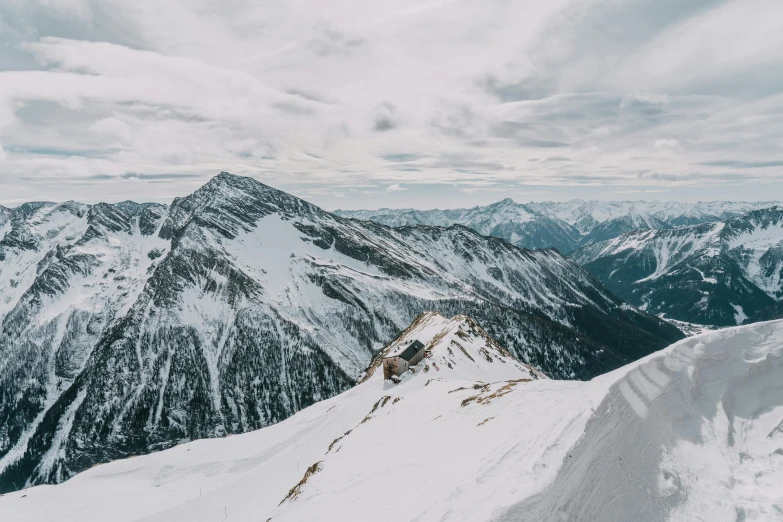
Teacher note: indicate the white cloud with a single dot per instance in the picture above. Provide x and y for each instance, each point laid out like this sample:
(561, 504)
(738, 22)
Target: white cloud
(668, 143)
(395, 187)
(315, 95)
(644, 98)
(110, 128)
(720, 44)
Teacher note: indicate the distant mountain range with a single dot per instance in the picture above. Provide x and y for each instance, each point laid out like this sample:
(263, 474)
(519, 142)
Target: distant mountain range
(127, 328)
(564, 225)
(721, 274)
(712, 263)
(516, 223)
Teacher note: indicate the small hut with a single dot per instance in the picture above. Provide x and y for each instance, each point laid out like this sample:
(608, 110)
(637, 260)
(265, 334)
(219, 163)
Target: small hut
(402, 358)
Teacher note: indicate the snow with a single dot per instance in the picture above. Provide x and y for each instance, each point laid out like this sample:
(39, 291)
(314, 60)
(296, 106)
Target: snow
(117, 270)
(460, 349)
(48, 460)
(4, 227)
(693, 432)
(689, 329)
(240, 254)
(51, 226)
(739, 314)
(704, 278)
(274, 255)
(669, 249)
(753, 241)
(482, 219)
(576, 211)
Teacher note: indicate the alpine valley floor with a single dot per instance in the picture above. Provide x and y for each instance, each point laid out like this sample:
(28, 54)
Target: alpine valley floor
(693, 432)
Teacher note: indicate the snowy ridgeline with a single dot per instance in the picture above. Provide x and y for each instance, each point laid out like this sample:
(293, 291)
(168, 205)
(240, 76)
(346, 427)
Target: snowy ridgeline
(564, 225)
(694, 432)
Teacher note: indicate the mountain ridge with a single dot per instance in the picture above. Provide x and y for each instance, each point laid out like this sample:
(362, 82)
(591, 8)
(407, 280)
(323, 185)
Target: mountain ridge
(563, 225)
(130, 328)
(714, 273)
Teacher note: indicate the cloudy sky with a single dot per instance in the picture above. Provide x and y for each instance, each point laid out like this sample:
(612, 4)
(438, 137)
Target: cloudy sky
(363, 104)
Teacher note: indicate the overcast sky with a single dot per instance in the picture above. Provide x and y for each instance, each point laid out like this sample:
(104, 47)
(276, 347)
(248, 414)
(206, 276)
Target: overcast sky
(364, 104)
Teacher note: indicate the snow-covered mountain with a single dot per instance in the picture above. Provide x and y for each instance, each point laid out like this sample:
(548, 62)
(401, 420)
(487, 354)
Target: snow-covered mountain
(692, 432)
(716, 273)
(563, 225)
(585, 215)
(617, 226)
(128, 328)
(516, 223)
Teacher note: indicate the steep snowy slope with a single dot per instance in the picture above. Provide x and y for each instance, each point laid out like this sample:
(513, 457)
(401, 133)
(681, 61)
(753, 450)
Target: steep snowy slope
(29, 240)
(693, 432)
(5, 221)
(505, 219)
(239, 305)
(715, 273)
(76, 270)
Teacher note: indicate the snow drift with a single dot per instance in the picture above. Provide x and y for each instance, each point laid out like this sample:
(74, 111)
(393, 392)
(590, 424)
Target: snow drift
(694, 432)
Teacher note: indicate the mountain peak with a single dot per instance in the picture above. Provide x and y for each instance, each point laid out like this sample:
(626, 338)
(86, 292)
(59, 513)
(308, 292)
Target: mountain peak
(232, 178)
(226, 179)
(230, 203)
(507, 202)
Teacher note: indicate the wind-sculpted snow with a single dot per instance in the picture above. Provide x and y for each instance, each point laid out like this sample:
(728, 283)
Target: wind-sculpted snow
(140, 326)
(715, 273)
(693, 432)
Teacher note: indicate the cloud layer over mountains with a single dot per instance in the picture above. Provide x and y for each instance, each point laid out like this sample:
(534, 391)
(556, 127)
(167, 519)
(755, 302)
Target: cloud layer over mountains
(341, 101)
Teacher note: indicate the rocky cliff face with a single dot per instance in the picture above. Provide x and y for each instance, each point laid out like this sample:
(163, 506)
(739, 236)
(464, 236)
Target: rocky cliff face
(128, 328)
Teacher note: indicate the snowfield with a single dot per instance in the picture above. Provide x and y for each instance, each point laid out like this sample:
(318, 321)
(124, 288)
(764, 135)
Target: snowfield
(693, 432)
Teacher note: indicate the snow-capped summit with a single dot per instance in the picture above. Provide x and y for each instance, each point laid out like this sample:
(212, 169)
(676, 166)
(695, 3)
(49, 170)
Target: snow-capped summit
(692, 432)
